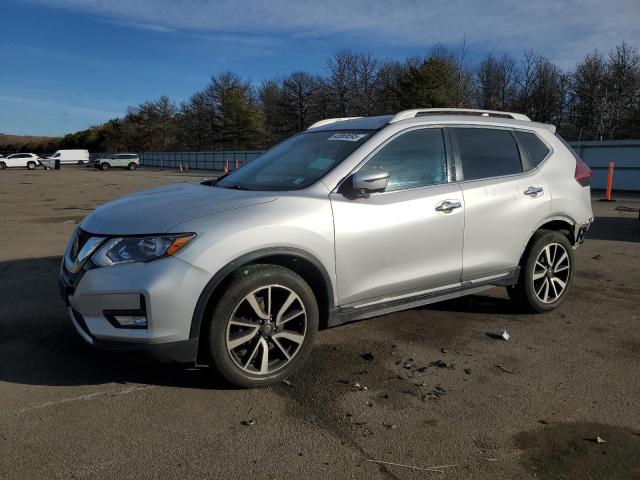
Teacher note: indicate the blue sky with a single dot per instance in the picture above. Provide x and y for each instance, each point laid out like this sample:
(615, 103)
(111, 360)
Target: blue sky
(68, 64)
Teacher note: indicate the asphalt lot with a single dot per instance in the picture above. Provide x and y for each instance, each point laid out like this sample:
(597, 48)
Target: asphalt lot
(439, 391)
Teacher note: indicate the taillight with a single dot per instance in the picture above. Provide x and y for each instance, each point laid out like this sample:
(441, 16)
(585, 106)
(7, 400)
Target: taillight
(583, 173)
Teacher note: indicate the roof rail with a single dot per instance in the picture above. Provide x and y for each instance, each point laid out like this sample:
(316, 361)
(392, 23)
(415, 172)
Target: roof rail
(419, 112)
(329, 121)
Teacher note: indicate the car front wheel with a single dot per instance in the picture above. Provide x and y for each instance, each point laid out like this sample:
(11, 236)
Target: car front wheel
(105, 166)
(545, 272)
(263, 326)
(132, 166)
(31, 165)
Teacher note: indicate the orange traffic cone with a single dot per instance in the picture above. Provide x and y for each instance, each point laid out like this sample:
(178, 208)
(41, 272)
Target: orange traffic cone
(226, 166)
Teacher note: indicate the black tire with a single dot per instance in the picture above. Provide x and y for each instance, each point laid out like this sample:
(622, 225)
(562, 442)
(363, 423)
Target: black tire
(529, 293)
(31, 165)
(133, 166)
(245, 281)
(3, 165)
(105, 166)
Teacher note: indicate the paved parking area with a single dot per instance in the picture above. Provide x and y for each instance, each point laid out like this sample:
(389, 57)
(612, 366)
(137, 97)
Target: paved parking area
(439, 391)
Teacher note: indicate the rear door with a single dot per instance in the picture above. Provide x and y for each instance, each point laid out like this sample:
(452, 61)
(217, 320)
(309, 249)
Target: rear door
(401, 241)
(505, 199)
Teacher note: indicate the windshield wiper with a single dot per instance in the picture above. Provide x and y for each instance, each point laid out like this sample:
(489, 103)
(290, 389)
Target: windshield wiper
(235, 187)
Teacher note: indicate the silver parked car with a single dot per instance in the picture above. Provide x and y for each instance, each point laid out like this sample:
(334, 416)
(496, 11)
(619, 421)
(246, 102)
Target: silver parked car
(129, 161)
(350, 219)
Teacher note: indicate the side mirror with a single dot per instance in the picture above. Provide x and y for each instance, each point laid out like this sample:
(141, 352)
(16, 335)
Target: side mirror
(364, 183)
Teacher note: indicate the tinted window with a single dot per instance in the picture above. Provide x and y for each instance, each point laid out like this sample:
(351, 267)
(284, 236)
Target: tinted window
(414, 159)
(487, 152)
(535, 148)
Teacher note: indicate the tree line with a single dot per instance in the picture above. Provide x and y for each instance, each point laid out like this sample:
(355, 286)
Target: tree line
(599, 99)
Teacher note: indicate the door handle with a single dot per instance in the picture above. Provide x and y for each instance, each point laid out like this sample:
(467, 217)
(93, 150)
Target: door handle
(533, 191)
(447, 206)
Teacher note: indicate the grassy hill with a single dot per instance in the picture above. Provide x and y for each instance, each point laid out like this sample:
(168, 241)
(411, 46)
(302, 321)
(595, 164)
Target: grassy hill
(26, 143)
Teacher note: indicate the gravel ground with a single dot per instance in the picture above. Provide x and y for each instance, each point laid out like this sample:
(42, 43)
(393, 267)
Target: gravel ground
(435, 391)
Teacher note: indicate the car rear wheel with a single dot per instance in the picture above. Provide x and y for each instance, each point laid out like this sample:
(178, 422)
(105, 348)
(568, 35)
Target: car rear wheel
(133, 166)
(263, 326)
(105, 166)
(545, 273)
(31, 165)
(3, 165)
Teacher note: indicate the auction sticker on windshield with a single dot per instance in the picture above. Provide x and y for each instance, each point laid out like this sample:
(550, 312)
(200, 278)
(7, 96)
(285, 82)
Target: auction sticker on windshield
(348, 136)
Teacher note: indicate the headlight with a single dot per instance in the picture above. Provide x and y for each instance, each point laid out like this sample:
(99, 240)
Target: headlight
(140, 249)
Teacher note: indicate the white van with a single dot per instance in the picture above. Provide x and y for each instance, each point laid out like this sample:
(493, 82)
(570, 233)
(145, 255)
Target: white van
(67, 157)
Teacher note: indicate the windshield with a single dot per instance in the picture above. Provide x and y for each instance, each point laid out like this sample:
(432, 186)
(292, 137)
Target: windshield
(297, 162)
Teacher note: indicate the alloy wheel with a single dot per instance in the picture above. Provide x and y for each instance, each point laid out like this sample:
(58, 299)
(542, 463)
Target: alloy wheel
(266, 330)
(551, 273)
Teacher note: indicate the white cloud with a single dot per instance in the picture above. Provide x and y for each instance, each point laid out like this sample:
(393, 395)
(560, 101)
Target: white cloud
(562, 30)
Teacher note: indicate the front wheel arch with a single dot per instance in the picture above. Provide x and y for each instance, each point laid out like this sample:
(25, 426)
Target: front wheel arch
(303, 263)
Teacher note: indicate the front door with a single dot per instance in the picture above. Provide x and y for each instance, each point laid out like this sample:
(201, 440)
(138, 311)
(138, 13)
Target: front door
(407, 239)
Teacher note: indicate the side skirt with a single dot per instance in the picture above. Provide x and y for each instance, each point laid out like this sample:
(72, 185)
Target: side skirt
(347, 314)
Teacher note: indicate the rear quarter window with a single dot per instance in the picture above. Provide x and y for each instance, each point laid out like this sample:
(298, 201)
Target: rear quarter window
(535, 147)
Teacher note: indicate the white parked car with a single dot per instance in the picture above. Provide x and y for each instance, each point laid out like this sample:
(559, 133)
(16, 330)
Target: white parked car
(28, 160)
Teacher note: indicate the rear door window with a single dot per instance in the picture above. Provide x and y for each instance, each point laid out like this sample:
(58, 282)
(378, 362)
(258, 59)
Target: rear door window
(487, 152)
(414, 159)
(536, 149)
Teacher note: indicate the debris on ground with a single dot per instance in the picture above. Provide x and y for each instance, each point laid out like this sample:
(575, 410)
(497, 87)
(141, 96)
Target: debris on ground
(367, 356)
(504, 369)
(501, 334)
(248, 423)
(437, 393)
(369, 404)
(543, 421)
(435, 469)
(443, 350)
(597, 257)
(596, 439)
(287, 383)
(467, 371)
(357, 386)
(390, 426)
(343, 381)
(442, 364)
(408, 364)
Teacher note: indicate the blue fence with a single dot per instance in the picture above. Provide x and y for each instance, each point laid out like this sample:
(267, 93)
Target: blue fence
(624, 153)
(198, 160)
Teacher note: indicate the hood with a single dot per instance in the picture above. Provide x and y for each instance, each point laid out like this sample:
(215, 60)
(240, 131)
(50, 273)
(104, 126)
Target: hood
(159, 209)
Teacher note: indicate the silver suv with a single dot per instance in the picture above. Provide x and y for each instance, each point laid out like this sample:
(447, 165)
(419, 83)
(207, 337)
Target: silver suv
(350, 219)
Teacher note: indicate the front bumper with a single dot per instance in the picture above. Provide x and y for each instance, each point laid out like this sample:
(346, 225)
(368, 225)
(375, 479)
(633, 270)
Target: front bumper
(183, 351)
(167, 290)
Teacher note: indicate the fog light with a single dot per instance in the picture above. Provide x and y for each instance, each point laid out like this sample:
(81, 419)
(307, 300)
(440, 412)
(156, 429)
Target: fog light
(131, 321)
